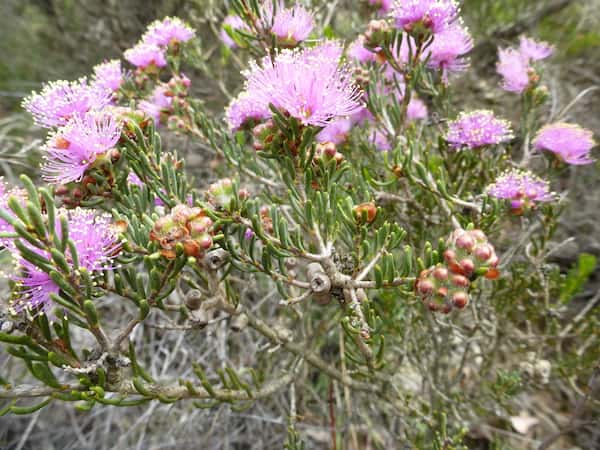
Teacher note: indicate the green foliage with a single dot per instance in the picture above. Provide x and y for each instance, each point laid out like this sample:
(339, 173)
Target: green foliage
(577, 276)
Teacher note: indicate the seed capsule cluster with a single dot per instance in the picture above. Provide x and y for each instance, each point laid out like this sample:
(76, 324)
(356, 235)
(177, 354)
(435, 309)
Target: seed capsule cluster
(186, 225)
(470, 254)
(446, 285)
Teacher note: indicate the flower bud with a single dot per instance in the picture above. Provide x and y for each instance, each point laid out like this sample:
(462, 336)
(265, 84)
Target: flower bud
(243, 194)
(465, 241)
(460, 281)
(450, 256)
(460, 299)
(205, 241)
(492, 274)
(467, 266)
(440, 273)
(376, 32)
(329, 149)
(366, 210)
(115, 155)
(432, 306)
(483, 252)
(61, 190)
(425, 287)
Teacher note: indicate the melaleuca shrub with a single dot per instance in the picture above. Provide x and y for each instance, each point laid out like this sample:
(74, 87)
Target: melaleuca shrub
(336, 187)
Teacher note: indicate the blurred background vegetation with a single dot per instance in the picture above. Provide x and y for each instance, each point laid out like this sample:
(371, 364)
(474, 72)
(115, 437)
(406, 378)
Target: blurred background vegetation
(63, 39)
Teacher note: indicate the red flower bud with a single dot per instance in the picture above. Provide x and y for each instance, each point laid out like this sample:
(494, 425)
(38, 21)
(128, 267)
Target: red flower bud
(440, 273)
(329, 149)
(460, 299)
(450, 256)
(369, 208)
(206, 241)
(465, 241)
(467, 266)
(425, 287)
(494, 260)
(460, 281)
(61, 190)
(483, 252)
(446, 308)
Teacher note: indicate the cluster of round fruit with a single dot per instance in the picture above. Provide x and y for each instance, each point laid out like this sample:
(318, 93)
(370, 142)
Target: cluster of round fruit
(468, 256)
(185, 225)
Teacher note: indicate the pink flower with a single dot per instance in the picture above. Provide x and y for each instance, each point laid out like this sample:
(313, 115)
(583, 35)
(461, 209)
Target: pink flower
(245, 108)
(569, 142)
(292, 25)
(359, 52)
(96, 243)
(73, 149)
(60, 101)
(533, 50)
(447, 51)
(417, 110)
(380, 141)
(336, 131)
(108, 75)
(144, 54)
(157, 104)
(309, 85)
(167, 31)
(514, 69)
(514, 65)
(522, 188)
(433, 14)
(476, 129)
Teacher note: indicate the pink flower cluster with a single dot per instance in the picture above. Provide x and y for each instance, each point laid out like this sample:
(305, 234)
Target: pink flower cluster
(522, 188)
(96, 243)
(292, 25)
(76, 146)
(289, 25)
(309, 85)
(59, 101)
(477, 129)
(152, 48)
(514, 64)
(87, 126)
(569, 142)
(447, 52)
(109, 75)
(435, 15)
